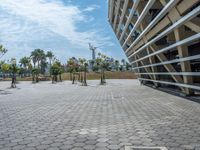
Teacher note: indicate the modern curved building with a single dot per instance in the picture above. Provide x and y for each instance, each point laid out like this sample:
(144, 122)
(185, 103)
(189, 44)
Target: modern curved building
(161, 39)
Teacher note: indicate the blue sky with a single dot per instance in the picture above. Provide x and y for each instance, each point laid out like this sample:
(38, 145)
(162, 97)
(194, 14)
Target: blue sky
(62, 26)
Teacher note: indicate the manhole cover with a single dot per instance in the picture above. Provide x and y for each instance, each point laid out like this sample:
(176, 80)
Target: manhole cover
(144, 148)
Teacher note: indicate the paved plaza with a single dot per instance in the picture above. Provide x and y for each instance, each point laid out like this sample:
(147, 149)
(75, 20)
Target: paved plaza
(65, 116)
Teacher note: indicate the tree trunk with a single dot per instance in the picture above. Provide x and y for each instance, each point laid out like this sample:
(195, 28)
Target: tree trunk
(33, 78)
(70, 76)
(13, 84)
(73, 80)
(85, 80)
(60, 77)
(52, 79)
(56, 78)
(104, 79)
(50, 66)
(101, 77)
(37, 80)
(81, 77)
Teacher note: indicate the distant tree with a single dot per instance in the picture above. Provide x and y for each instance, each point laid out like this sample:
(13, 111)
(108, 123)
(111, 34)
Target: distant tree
(24, 63)
(3, 50)
(38, 56)
(43, 65)
(128, 66)
(95, 68)
(117, 65)
(34, 57)
(21, 71)
(123, 62)
(30, 67)
(1, 63)
(50, 56)
(5, 68)
(122, 67)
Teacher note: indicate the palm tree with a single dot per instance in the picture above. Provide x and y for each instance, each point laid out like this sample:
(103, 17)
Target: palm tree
(50, 56)
(85, 75)
(3, 50)
(41, 59)
(69, 67)
(123, 62)
(83, 68)
(103, 64)
(14, 70)
(60, 70)
(24, 62)
(72, 66)
(128, 66)
(55, 71)
(35, 73)
(34, 57)
(43, 66)
(37, 56)
(116, 65)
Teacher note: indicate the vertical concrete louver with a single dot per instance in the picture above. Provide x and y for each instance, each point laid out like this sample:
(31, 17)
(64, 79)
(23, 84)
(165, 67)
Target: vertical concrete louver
(161, 39)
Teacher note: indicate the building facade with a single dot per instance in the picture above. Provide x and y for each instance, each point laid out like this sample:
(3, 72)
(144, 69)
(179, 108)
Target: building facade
(161, 39)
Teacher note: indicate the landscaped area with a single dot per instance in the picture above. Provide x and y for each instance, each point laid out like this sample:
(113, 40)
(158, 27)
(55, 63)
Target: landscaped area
(98, 117)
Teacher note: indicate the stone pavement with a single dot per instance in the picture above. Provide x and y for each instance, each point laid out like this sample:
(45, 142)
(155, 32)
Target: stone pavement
(65, 116)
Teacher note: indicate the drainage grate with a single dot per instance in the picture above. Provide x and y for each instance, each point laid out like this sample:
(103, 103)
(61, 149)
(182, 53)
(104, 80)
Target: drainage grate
(144, 148)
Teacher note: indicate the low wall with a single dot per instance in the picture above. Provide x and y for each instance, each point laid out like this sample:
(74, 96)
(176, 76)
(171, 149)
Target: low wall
(90, 76)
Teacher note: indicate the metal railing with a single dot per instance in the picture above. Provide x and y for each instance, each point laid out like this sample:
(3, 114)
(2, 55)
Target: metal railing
(163, 12)
(139, 20)
(173, 83)
(169, 62)
(177, 24)
(135, 4)
(182, 42)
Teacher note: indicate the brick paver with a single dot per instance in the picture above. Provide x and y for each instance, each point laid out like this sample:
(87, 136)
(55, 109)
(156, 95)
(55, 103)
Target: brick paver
(65, 116)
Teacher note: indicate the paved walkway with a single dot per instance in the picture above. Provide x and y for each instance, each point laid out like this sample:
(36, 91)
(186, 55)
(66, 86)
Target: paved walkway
(64, 116)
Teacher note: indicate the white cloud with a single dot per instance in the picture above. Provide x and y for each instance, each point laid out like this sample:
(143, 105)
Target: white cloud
(25, 20)
(91, 8)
